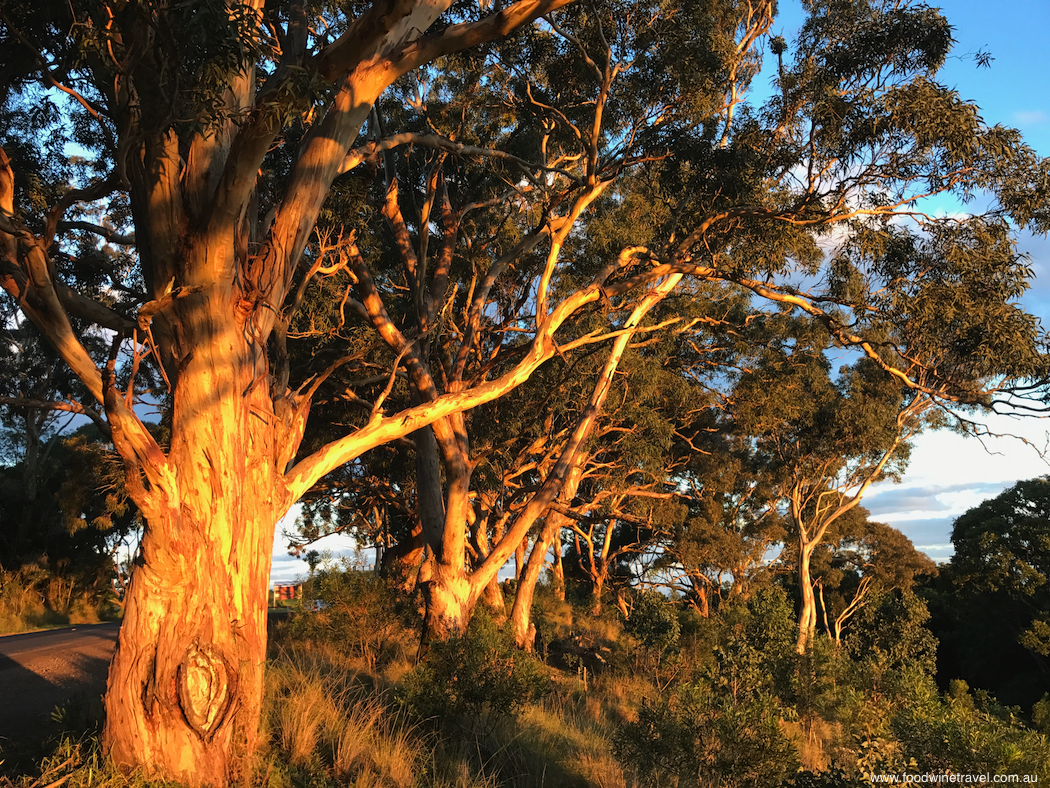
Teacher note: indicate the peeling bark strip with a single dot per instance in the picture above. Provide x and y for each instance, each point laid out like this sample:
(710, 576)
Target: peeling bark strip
(207, 685)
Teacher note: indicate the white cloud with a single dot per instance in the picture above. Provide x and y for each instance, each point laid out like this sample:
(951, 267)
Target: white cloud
(950, 474)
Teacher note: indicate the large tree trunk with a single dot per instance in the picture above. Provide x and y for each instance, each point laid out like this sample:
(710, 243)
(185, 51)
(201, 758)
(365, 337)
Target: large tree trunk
(185, 687)
(449, 603)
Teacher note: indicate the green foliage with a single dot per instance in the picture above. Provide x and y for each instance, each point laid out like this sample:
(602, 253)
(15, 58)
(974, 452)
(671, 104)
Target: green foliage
(831, 778)
(725, 727)
(699, 737)
(1003, 545)
(653, 621)
(992, 604)
(754, 652)
(939, 734)
(889, 635)
(361, 615)
(1041, 715)
(63, 512)
(478, 671)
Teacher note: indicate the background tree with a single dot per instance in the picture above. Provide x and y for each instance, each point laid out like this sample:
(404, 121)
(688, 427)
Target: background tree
(991, 606)
(861, 559)
(825, 442)
(62, 546)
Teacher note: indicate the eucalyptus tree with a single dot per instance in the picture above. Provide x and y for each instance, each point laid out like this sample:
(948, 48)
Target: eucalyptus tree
(862, 560)
(214, 133)
(824, 442)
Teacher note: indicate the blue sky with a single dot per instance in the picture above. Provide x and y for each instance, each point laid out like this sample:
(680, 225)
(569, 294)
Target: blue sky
(948, 473)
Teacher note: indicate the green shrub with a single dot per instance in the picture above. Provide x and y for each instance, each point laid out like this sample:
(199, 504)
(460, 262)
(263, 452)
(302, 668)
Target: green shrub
(754, 649)
(360, 617)
(889, 633)
(829, 778)
(482, 670)
(653, 621)
(964, 733)
(696, 737)
(1041, 714)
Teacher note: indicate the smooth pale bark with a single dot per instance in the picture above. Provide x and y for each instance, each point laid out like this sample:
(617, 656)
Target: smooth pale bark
(811, 531)
(452, 592)
(860, 598)
(521, 613)
(807, 617)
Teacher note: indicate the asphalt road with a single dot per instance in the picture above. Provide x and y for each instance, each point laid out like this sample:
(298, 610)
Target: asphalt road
(44, 671)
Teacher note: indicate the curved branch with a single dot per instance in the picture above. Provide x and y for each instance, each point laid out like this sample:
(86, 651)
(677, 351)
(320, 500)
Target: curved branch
(111, 235)
(469, 34)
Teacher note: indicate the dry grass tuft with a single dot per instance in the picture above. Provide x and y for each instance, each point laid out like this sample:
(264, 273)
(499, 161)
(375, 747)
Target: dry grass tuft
(324, 717)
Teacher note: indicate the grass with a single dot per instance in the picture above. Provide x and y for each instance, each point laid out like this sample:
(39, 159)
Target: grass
(329, 721)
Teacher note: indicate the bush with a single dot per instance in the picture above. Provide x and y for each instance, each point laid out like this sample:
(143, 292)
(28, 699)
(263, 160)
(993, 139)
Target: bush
(654, 622)
(482, 670)
(964, 733)
(889, 633)
(360, 616)
(754, 649)
(695, 737)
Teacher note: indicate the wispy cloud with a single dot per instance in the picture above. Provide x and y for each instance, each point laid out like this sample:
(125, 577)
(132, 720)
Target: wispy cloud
(930, 499)
(1032, 118)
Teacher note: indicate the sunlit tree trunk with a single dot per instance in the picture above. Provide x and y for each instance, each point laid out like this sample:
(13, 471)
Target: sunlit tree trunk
(521, 613)
(807, 618)
(558, 568)
(451, 592)
(185, 687)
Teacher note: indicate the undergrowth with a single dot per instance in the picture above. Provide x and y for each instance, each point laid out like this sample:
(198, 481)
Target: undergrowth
(661, 702)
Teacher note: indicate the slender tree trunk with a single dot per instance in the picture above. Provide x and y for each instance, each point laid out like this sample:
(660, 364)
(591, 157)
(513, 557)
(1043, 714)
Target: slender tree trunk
(824, 608)
(448, 594)
(451, 593)
(558, 568)
(596, 590)
(519, 559)
(703, 599)
(807, 617)
(521, 613)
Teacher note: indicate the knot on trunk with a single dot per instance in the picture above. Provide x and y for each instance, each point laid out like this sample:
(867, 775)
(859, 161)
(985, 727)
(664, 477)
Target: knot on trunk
(206, 686)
